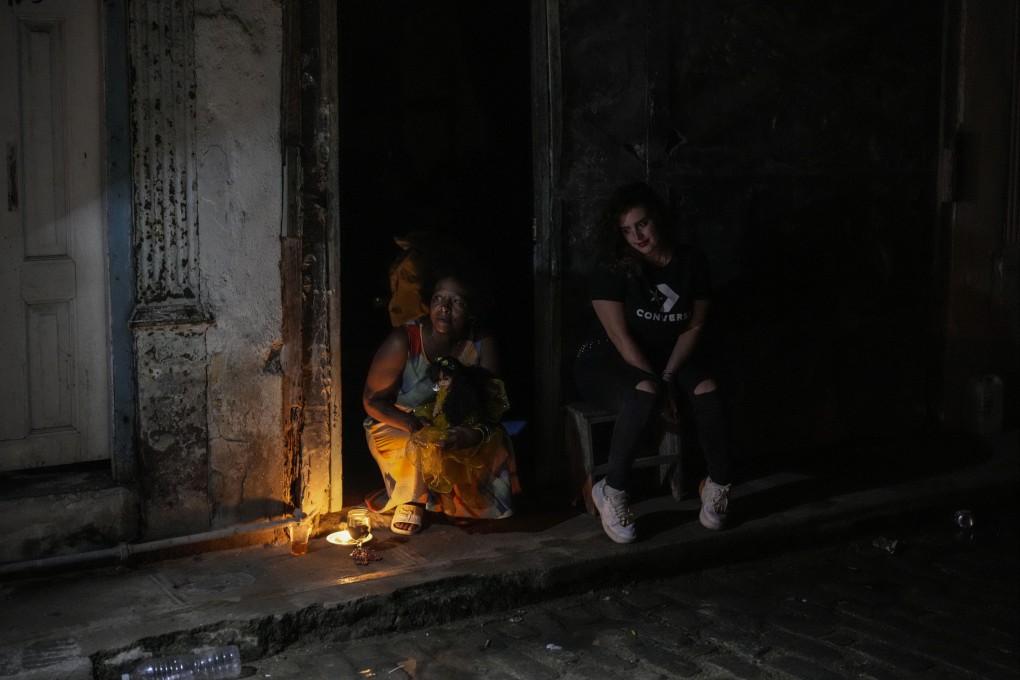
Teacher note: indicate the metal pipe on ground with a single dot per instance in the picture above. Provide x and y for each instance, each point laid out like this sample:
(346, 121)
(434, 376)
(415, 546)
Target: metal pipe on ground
(125, 550)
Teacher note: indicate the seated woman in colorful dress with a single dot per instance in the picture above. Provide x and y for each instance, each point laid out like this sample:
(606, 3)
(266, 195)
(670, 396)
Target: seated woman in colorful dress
(399, 398)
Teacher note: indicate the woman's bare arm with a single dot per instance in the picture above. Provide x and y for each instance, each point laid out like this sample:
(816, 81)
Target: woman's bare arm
(383, 382)
(489, 357)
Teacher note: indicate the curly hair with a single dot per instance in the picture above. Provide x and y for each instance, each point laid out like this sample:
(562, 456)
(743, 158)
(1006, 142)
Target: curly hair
(612, 246)
(467, 396)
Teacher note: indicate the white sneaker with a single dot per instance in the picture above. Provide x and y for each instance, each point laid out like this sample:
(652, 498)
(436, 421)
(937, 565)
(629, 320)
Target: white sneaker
(714, 499)
(617, 519)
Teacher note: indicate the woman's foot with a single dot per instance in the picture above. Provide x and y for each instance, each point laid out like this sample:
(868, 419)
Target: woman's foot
(614, 511)
(407, 519)
(715, 499)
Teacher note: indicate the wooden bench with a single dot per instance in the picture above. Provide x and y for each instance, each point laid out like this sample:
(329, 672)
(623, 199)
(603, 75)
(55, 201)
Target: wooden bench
(665, 452)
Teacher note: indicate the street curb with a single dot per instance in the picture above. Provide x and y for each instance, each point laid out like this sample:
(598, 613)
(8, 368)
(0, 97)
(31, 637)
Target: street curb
(485, 590)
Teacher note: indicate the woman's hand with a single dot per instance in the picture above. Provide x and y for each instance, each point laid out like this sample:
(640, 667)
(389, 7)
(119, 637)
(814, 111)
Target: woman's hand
(460, 437)
(415, 423)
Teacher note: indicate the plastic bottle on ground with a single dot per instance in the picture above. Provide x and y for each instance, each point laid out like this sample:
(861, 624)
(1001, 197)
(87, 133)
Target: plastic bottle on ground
(220, 663)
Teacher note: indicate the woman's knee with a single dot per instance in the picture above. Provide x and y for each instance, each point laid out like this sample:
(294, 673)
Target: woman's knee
(647, 386)
(705, 386)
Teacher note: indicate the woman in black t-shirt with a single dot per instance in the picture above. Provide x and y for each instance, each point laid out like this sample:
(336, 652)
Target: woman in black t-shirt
(650, 294)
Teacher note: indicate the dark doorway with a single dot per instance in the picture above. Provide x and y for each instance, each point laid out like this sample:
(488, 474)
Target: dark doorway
(435, 134)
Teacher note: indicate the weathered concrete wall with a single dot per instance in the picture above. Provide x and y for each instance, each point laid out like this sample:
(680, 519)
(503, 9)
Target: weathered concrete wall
(58, 514)
(208, 193)
(204, 90)
(169, 320)
(798, 144)
(173, 444)
(238, 47)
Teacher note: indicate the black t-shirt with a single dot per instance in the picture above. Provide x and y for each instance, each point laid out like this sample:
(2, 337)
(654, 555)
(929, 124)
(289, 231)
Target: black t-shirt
(657, 303)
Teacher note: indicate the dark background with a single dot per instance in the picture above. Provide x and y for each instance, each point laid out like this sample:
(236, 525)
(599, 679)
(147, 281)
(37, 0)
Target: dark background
(798, 144)
(435, 134)
(797, 141)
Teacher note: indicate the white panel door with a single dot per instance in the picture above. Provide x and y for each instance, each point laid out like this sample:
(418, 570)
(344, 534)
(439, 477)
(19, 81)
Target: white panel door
(54, 373)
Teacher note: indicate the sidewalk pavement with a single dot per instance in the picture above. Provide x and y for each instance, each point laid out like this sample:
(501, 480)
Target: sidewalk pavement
(99, 620)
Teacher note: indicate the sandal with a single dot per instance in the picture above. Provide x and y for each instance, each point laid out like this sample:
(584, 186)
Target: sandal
(410, 516)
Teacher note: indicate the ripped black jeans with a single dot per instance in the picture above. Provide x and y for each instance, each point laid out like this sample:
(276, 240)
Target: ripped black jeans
(607, 381)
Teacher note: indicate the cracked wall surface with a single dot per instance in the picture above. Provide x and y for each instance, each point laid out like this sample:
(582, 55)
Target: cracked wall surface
(237, 55)
(206, 117)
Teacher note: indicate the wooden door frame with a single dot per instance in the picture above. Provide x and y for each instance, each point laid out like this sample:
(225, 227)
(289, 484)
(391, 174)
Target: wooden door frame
(985, 222)
(547, 136)
(120, 259)
(547, 253)
(310, 260)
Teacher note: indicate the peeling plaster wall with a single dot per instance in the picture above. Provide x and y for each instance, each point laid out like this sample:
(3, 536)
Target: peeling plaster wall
(238, 51)
(174, 447)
